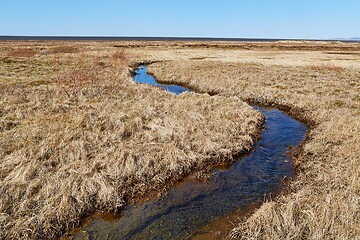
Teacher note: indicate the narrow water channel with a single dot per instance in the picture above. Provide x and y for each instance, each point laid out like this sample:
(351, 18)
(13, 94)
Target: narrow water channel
(189, 207)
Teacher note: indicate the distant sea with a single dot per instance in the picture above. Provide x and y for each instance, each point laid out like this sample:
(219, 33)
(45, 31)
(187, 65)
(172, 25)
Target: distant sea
(90, 38)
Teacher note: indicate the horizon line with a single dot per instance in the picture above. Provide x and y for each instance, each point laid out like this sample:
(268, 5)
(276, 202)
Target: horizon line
(147, 38)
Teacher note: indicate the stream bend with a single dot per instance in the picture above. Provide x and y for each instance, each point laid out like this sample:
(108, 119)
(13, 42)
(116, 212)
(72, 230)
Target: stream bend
(191, 206)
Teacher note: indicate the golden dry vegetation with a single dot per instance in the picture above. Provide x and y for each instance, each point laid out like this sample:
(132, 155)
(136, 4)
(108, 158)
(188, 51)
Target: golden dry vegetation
(77, 135)
(317, 82)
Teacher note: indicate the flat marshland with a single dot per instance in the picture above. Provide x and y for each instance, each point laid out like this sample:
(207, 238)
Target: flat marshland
(77, 135)
(316, 82)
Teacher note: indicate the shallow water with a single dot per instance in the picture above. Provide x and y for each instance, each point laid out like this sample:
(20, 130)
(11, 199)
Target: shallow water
(141, 76)
(192, 205)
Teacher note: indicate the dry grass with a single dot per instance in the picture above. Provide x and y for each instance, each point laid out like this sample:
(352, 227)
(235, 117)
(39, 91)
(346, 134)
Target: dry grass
(22, 52)
(77, 137)
(63, 49)
(120, 55)
(326, 67)
(324, 200)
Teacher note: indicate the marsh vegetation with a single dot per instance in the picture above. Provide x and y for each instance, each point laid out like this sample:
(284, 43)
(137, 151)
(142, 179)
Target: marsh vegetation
(321, 88)
(77, 135)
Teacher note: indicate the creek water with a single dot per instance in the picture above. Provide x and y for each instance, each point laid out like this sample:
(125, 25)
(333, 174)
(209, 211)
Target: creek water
(141, 76)
(199, 210)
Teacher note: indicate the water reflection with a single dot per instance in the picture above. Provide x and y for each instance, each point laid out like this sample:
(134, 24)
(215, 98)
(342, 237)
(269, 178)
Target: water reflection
(141, 76)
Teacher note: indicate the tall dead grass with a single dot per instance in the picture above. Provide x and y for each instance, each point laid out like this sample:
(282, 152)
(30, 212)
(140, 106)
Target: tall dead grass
(91, 139)
(323, 202)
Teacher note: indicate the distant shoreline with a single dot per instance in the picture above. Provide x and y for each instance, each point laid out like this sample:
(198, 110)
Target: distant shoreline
(90, 38)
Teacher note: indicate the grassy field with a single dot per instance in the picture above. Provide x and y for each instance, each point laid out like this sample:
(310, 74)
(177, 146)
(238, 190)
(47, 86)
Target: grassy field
(316, 82)
(77, 135)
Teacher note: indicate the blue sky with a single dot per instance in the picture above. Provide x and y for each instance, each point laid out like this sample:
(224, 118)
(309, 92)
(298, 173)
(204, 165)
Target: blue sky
(183, 18)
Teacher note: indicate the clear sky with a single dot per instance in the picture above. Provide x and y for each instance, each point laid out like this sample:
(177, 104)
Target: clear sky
(182, 18)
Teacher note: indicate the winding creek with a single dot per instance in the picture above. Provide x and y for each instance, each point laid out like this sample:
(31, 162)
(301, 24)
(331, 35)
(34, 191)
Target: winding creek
(199, 210)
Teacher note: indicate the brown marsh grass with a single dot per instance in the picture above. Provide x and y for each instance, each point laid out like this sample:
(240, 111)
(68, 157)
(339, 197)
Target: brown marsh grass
(326, 67)
(77, 137)
(323, 202)
(63, 49)
(21, 52)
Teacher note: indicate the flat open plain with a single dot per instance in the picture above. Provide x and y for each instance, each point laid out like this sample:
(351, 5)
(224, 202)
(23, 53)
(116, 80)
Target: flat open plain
(77, 135)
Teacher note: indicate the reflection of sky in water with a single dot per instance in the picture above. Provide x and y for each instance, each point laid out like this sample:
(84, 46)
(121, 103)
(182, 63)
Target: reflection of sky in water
(192, 205)
(142, 77)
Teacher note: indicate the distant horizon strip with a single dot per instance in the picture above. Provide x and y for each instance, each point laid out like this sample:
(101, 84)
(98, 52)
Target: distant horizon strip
(114, 38)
